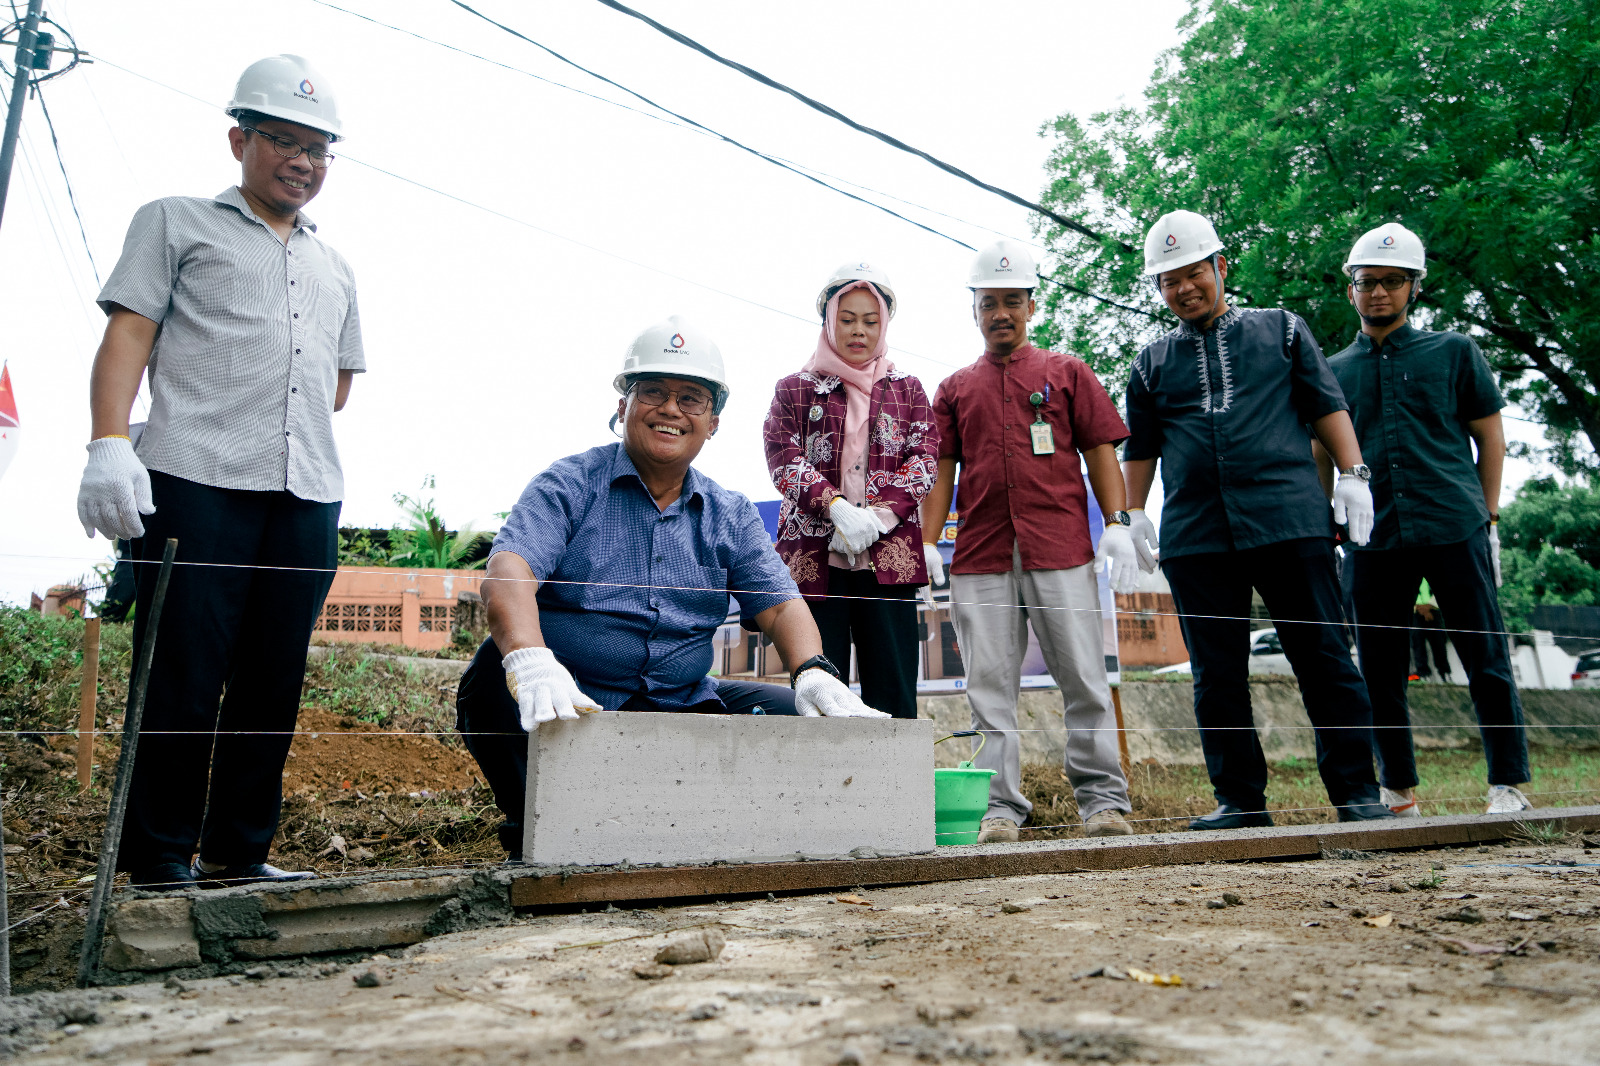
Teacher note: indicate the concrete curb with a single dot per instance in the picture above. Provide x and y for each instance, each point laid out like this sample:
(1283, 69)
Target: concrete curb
(569, 887)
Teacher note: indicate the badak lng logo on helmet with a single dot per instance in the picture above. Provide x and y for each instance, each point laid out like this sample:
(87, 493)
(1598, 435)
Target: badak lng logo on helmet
(307, 90)
(1171, 240)
(1388, 242)
(1005, 263)
(677, 341)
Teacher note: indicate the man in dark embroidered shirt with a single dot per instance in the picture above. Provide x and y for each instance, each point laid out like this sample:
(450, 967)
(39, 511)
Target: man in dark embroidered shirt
(1421, 400)
(1223, 401)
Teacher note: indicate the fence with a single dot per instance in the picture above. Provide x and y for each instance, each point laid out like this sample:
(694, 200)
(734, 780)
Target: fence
(414, 608)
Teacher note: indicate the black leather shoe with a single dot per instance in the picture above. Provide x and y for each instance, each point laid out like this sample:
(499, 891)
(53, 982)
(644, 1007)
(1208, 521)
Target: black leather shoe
(257, 873)
(1365, 812)
(162, 876)
(1227, 816)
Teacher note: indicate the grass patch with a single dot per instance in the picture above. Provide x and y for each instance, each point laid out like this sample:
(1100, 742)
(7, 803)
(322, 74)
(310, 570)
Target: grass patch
(1452, 782)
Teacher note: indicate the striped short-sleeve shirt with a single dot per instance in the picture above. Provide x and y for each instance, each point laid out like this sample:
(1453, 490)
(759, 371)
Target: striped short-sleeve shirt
(254, 332)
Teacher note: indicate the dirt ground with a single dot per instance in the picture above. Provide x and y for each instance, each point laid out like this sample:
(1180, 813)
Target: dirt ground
(1478, 955)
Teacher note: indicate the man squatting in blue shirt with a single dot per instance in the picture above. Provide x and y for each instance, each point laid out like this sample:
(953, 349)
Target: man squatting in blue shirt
(613, 572)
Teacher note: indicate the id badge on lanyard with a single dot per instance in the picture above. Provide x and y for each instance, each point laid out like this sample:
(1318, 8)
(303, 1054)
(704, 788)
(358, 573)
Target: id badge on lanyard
(1044, 439)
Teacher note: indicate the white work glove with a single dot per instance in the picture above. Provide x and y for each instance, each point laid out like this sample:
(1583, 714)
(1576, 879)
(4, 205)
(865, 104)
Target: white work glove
(115, 491)
(1352, 508)
(818, 693)
(543, 689)
(856, 528)
(1118, 559)
(935, 561)
(1145, 543)
(1494, 552)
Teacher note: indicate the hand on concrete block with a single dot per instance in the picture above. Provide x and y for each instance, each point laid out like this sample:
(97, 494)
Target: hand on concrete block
(818, 693)
(543, 688)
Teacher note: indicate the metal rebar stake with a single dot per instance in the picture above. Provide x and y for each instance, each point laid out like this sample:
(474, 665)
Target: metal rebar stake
(106, 872)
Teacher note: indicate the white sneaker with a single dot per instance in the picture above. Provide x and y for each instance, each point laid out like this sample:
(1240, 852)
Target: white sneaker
(1402, 803)
(1505, 799)
(997, 831)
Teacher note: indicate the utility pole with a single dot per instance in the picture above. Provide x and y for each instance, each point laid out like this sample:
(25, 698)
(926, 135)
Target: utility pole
(25, 64)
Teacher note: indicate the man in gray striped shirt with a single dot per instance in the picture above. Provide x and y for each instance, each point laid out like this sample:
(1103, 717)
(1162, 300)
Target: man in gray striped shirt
(247, 325)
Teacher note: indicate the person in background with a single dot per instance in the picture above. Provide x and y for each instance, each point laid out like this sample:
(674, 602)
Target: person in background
(1423, 401)
(852, 447)
(1224, 402)
(612, 574)
(247, 323)
(1021, 424)
(1427, 634)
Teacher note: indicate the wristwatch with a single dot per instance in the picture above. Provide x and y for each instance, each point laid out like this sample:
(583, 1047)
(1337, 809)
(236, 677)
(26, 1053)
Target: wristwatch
(818, 662)
(1360, 470)
(1119, 518)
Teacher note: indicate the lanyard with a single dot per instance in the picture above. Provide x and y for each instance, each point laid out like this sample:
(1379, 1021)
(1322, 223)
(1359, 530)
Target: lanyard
(1044, 440)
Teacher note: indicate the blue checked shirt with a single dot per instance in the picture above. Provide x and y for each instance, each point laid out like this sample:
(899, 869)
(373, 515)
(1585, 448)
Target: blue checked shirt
(629, 595)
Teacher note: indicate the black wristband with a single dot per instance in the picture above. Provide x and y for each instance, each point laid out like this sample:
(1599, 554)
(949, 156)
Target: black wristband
(820, 662)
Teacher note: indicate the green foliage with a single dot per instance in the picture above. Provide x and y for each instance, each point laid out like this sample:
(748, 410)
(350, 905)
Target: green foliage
(1296, 125)
(350, 682)
(1549, 548)
(358, 547)
(41, 669)
(426, 542)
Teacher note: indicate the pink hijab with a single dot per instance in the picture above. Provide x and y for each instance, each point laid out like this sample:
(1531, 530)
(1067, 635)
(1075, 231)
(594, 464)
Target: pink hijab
(858, 381)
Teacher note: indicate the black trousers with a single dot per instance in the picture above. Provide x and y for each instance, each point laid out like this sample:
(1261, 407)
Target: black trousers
(229, 661)
(1462, 580)
(1297, 579)
(882, 624)
(487, 719)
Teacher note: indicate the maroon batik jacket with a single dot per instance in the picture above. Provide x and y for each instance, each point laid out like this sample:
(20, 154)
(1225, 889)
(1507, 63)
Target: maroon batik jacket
(803, 432)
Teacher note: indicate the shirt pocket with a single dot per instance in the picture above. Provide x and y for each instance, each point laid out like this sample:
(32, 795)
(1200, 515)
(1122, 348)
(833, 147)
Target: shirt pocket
(329, 310)
(1425, 393)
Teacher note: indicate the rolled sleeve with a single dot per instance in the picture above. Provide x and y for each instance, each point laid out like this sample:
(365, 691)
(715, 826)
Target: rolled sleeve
(352, 354)
(1313, 389)
(757, 578)
(1477, 394)
(541, 523)
(1144, 421)
(145, 276)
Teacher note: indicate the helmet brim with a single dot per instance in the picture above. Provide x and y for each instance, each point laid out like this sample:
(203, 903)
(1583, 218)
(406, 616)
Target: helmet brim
(1420, 272)
(719, 391)
(284, 114)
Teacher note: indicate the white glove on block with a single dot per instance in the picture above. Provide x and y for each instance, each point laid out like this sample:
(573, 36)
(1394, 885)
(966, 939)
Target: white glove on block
(115, 491)
(1352, 507)
(1494, 552)
(1118, 559)
(818, 693)
(856, 527)
(1145, 543)
(543, 688)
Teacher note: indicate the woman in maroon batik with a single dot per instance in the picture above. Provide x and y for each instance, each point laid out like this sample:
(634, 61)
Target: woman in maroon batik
(852, 447)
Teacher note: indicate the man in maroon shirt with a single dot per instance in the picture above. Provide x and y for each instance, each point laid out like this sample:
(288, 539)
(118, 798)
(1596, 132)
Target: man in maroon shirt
(1016, 422)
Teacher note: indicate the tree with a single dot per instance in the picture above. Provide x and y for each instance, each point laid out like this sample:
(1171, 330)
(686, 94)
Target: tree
(424, 542)
(1296, 125)
(1550, 547)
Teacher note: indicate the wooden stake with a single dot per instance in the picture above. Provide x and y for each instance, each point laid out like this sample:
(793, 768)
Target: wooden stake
(86, 700)
(1122, 732)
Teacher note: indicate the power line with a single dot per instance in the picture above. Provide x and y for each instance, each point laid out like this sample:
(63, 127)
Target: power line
(818, 105)
(71, 196)
(720, 136)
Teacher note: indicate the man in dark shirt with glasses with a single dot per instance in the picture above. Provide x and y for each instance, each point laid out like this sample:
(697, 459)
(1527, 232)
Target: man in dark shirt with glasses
(1418, 398)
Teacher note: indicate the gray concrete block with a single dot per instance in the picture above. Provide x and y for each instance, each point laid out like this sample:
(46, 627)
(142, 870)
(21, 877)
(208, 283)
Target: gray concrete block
(687, 788)
(151, 934)
(321, 918)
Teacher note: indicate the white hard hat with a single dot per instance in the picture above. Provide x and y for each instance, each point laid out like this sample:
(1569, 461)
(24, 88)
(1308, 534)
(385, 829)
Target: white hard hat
(288, 88)
(1004, 265)
(1390, 245)
(1177, 239)
(675, 348)
(849, 272)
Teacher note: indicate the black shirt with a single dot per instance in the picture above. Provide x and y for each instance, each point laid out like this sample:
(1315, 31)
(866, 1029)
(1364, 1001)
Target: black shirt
(1411, 399)
(1226, 412)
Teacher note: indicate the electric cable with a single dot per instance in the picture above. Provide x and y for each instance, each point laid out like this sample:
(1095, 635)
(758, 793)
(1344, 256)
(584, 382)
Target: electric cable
(817, 105)
(71, 196)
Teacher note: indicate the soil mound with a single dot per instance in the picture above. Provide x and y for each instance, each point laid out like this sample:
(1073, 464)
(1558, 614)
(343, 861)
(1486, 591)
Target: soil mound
(333, 753)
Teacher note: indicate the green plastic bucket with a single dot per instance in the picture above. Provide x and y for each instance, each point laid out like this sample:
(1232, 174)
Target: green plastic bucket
(960, 800)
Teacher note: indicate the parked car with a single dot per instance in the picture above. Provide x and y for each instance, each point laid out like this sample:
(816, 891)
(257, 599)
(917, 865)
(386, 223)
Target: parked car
(1266, 656)
(1586, 674)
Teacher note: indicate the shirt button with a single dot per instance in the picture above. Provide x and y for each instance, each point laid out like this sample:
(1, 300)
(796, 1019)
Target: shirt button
(297, 351)
(285, 433)
(291, 283)
(297, 314)
(296, 388)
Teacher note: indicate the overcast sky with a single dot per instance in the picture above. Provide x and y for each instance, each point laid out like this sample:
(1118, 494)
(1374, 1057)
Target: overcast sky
(492, 335)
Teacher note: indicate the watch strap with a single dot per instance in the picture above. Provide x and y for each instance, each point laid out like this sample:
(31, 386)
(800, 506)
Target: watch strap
(816, 662)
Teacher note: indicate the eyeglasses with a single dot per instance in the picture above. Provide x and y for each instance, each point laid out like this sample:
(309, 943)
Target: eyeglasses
(317, 157)
(1391, 283)
(690, 401)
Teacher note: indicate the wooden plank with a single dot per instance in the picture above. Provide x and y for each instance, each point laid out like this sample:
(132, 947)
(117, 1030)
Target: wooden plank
(1043, 857)
(88, 689)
